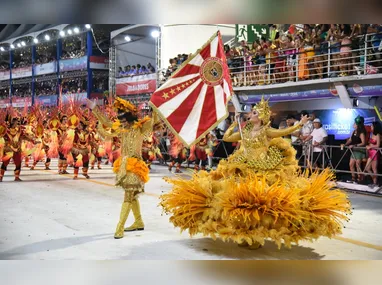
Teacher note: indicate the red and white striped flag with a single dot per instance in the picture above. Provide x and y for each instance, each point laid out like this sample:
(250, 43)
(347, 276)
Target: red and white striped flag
(194, 99)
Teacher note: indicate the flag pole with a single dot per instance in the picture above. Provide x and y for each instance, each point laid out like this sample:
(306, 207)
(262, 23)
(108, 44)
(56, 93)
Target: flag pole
(236, 104)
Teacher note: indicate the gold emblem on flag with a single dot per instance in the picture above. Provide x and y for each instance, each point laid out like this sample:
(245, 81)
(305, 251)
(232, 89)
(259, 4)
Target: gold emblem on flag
(211, 71)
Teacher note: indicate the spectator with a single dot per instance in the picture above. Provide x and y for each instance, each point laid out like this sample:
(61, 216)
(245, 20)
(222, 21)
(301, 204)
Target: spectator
(357, 139)
(319, 136)
(120, 71)
(291, 121)
(150, 68)
(373, 153)
(133, 71)
(305, 132)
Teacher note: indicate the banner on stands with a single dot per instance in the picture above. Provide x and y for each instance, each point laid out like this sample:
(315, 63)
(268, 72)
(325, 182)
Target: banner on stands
(99, 62)
(358, 90)
(77, 97)
(22, 72)
(340, 122)
(20, 102)
(4, 103)
(99, 97)
(136, 84)
(46, 68)
(47, 100)
(73, 64)
(4, 75)
(337, 122)
(291, 96)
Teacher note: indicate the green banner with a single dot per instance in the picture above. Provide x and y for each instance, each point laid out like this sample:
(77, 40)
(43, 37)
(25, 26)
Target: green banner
(251, 32)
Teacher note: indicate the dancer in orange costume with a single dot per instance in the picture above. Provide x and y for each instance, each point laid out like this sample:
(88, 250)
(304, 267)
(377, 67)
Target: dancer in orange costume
(44, 135)
(198, 153)
(81, 149)
(13, 139)
(178, 153)
(62, 152)
(150, 151)
(97, 147)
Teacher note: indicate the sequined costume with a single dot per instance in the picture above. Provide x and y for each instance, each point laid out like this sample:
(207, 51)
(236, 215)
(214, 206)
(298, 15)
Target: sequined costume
(62, 134)
(131, 171)
(44, 138)
(198, 153)
(258, 193)
(97, 149)
(13, 137)
(150, 150)
(81, 150)
(178, 153)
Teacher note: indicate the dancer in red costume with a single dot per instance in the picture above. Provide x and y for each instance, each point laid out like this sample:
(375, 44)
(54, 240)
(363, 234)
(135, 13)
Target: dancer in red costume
(13, 138)
(80, 150)
(178, 152)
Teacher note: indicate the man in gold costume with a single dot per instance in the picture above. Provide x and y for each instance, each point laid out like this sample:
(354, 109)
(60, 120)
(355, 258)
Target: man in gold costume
(131, 171)
(258, 193)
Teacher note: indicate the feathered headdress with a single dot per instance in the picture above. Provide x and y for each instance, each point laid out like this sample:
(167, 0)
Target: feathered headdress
(263, 109)
(124, 106)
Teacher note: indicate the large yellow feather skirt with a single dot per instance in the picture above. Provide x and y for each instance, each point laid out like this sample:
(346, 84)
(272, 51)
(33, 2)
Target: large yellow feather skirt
(240, 204)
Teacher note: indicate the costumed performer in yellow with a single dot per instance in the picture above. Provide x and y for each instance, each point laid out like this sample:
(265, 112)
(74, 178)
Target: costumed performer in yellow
(131, 171)
(258, 192)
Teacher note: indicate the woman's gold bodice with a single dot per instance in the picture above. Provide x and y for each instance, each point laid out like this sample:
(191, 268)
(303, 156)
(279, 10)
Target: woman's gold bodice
(255, 149)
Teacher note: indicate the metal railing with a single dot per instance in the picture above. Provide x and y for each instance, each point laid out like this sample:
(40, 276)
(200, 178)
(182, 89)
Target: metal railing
(337, 159)
(293, 65)
(334, 157)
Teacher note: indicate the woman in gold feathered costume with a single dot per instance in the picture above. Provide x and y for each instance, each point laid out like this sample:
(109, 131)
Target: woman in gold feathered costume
(131, 171)
(258, 193)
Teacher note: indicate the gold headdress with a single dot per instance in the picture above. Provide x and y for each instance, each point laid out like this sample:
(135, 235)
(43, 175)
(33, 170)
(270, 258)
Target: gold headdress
(124, 106)
(263, 109)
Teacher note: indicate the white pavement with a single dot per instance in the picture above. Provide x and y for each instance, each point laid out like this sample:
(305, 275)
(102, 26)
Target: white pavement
(50, 216)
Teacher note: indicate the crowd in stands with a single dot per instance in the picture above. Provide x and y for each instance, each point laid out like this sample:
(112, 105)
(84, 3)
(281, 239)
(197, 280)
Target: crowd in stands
(4, 66)
(74, 47)
(74, 85)
(175, 63)
(4, 93)
(292, 53)
(23, 90)
(44, 88)
(73, 54)
(133, 70)
(100, 82)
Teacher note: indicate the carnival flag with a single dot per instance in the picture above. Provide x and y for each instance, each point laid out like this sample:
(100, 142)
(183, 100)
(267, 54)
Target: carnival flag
(194, 99)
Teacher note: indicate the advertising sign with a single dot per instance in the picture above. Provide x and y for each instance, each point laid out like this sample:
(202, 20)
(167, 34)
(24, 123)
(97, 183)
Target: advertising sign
(19, 102)
(98, 97)
(22, 72)
(290, 96)
(4, 75)
(4, 103)
(47, 100)
(99, 62)
(46, 68)
(362, 91)
(76, 97)
(136, 85)
(73, 64)
(340, 122)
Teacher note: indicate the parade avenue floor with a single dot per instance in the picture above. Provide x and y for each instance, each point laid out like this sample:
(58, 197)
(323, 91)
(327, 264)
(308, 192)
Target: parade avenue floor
(51, 216)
